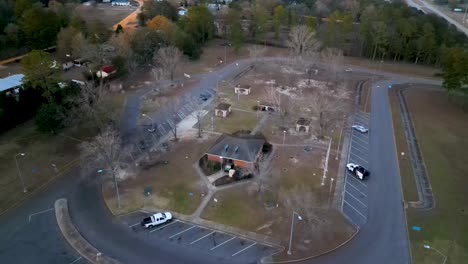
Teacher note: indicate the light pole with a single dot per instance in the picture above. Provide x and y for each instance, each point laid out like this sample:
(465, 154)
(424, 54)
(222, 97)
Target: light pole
(116, 186)
(339, 141)
(330, 192)
(284, 136)
(464, 16)
(325, 168)
(440, 253)
(299, 217)
(212, 123)
(151, 119)
(19, 171)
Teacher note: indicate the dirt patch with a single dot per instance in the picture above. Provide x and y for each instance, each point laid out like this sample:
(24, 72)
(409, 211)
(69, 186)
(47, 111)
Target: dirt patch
(109, 15)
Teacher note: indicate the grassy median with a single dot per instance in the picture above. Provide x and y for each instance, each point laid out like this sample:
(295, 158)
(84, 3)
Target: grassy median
(441, 128)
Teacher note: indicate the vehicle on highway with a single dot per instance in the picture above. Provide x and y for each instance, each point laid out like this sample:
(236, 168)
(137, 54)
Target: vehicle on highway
(360, 128)
(359, 171)
(348, 70)
(156, 219)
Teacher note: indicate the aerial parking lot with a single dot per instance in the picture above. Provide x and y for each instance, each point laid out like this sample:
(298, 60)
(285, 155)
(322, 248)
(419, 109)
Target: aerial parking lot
(355, 201)
(210, 241)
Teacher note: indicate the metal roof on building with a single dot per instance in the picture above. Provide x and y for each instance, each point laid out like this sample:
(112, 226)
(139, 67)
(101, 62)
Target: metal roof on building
(11, 82)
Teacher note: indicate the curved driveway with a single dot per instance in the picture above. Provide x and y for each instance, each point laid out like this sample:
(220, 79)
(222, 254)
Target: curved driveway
(382, 240)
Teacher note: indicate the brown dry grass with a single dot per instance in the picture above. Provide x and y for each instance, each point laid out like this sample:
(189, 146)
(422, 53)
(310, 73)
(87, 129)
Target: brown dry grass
(36, 166)
(291, 167)
(394, 67)
(171, 183)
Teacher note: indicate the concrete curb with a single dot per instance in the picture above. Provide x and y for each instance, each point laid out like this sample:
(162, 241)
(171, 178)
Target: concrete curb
(421, 177)
(74, 238)
(44, 185)
(270, 241)
(318, 255)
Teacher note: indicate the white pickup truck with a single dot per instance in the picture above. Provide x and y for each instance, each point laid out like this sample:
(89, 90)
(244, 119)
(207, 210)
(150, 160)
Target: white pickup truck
(156, 219)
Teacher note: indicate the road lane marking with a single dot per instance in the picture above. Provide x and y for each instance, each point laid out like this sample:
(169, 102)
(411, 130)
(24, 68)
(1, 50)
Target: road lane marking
(363, 194)
(356, 199)
(243, 249)
(182, 231)
(355, 209)
(76, 260)
(201, 238)
(31, 215)
(159, 228)
(222, 243)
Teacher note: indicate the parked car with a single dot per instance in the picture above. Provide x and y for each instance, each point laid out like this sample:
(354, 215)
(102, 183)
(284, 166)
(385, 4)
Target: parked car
(156, 219)
(359, 171)
(205, 96)
(360, 128)
(348, 70)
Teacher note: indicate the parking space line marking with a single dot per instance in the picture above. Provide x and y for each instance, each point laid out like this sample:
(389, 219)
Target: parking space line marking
(355, 209)
(201, 238)
(182, 231)
(357, 140)
(360, 139)
(360, 146)
(365, 195)
(31, 215)
(159, 228)
(363, 184)
(133, 225)
(359, 157)
(223, 243)
(358, 150)
(356, 199)
(243, 249)
(76, 260)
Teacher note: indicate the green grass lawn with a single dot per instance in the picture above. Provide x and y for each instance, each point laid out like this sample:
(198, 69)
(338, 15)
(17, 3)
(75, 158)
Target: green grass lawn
(441, 129)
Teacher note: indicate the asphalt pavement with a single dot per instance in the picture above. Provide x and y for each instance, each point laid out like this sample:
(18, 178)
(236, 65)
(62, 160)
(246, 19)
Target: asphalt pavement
(355, 202)
(381, 240)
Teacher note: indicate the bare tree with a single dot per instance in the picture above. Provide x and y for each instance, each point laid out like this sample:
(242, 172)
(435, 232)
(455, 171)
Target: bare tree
(171, 111)
(302, 40)
(333, 59)
(92, 105)
(198, 113)
(352, 6)
(327, 109)
(104, 154)
(168, 58)
(256, 51)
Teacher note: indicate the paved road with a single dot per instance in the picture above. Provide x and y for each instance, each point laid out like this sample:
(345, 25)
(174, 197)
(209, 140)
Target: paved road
(436, 11)
(381, 240)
